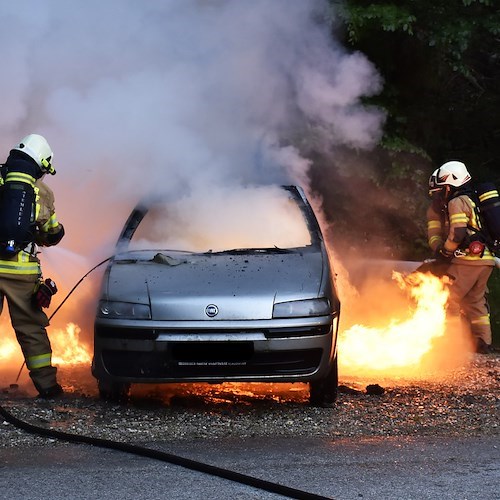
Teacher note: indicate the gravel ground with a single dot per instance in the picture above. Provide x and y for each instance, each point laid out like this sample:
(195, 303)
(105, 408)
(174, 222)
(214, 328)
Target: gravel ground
(467, 403)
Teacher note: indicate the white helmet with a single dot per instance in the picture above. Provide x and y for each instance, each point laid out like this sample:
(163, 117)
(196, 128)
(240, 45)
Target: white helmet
(433, 187)
(452, 173)
(38, 148)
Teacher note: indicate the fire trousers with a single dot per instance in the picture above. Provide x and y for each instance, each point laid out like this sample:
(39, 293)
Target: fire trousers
(468, 295)
(29, 323)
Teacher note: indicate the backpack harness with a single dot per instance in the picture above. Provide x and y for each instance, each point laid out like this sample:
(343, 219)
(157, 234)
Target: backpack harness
(486, 205)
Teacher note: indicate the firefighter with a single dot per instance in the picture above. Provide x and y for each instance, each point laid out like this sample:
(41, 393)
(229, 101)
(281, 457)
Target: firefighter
(21, 281)
(454, 235)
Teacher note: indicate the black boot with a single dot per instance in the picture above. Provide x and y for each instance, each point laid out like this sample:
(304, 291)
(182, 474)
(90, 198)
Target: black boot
(482, 347)
(52, 392)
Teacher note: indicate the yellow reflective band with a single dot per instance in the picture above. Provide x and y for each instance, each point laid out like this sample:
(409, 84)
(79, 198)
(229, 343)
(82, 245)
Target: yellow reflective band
(37, 204)
(488, 195)
(456, 218)
(23, 257)
(482, 320)
(434, 224)
(40, 361)
(434, 239)
(19, 267)
(20, 177)
(51, 223)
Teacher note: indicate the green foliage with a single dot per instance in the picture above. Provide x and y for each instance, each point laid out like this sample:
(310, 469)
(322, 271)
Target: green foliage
(402, 145)
(389, 17)
(450, 28)
(440, 62)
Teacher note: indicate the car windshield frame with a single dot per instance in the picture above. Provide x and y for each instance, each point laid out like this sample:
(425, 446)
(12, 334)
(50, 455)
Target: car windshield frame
(297, 194)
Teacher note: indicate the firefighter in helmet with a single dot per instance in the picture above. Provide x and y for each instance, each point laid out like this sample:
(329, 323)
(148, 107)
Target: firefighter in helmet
(454, 235)
(28, 220)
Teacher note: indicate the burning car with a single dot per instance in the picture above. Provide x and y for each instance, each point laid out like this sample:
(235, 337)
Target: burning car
(228, 294)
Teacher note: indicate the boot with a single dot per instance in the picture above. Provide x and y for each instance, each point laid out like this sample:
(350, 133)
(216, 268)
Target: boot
(52, 392)
(482, 347)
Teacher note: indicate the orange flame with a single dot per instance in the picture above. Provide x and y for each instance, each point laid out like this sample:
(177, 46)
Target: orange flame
(399, 347)
(67, 347)
(8, 349)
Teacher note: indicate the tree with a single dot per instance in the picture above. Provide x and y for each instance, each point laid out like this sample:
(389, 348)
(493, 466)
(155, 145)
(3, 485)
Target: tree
(440, 62)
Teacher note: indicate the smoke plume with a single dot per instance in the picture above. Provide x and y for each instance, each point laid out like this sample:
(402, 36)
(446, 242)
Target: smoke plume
(172, 98)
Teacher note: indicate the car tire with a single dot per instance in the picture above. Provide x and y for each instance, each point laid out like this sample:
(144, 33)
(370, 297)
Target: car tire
(113, 391)
(323, 392)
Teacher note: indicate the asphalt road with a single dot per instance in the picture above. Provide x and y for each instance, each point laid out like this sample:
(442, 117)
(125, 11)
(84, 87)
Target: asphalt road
(381, 468)
(425, 440)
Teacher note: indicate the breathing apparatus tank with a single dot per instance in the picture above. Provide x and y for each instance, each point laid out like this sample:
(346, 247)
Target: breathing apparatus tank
(489, 207)
(17, 209)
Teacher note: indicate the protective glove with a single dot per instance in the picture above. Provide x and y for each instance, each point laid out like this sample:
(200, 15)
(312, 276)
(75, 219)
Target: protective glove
(50, 238)
(443, 255)
(43, 295)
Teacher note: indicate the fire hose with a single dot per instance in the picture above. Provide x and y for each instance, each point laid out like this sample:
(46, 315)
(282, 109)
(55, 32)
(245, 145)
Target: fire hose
(187, 463)
(64, 300)
(165, 457)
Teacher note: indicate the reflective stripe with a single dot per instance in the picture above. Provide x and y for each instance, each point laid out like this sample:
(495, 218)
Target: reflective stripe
(22, 265)
(40, 361)
(435, 239)
(51, 223)
(457, 218)
(20, 177)
(37, 202)
(434, 224)
(482, 320)
(473, 221)
(488, 195)
(31, 268)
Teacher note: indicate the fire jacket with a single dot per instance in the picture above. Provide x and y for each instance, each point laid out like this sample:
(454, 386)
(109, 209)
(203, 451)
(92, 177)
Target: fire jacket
(48, 229)
(452, 228)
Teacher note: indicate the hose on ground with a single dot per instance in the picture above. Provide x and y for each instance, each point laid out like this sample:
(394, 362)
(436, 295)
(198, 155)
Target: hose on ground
(163, 456)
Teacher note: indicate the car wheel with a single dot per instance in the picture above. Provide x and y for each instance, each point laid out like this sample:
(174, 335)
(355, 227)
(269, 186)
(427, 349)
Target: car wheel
(113, 391)
(323, 392)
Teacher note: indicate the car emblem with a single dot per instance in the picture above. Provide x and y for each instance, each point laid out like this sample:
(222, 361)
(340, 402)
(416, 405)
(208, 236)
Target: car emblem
(211, 310)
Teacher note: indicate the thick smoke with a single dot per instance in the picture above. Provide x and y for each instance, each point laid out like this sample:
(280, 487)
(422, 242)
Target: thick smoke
(172, 97)
(175, 96)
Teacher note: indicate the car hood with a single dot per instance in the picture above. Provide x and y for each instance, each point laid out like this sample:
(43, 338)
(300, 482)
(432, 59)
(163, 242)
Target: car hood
(180, 286)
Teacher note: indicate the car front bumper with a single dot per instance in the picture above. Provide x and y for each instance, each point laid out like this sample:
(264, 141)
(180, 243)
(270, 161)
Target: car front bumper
(277, 350)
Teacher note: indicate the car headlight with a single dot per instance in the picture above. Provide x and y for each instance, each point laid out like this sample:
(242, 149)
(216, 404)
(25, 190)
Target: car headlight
(302, 308)
(123, 310)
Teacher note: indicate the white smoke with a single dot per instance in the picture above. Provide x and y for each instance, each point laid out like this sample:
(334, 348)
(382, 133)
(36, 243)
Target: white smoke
(173, 96)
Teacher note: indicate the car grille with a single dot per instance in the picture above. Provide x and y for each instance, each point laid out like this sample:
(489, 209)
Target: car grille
(210, 359)
(152, 334)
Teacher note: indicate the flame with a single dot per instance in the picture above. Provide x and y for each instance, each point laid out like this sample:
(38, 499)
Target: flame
(407, 338)
(400, 347)
(67, 347)
(8, 348)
